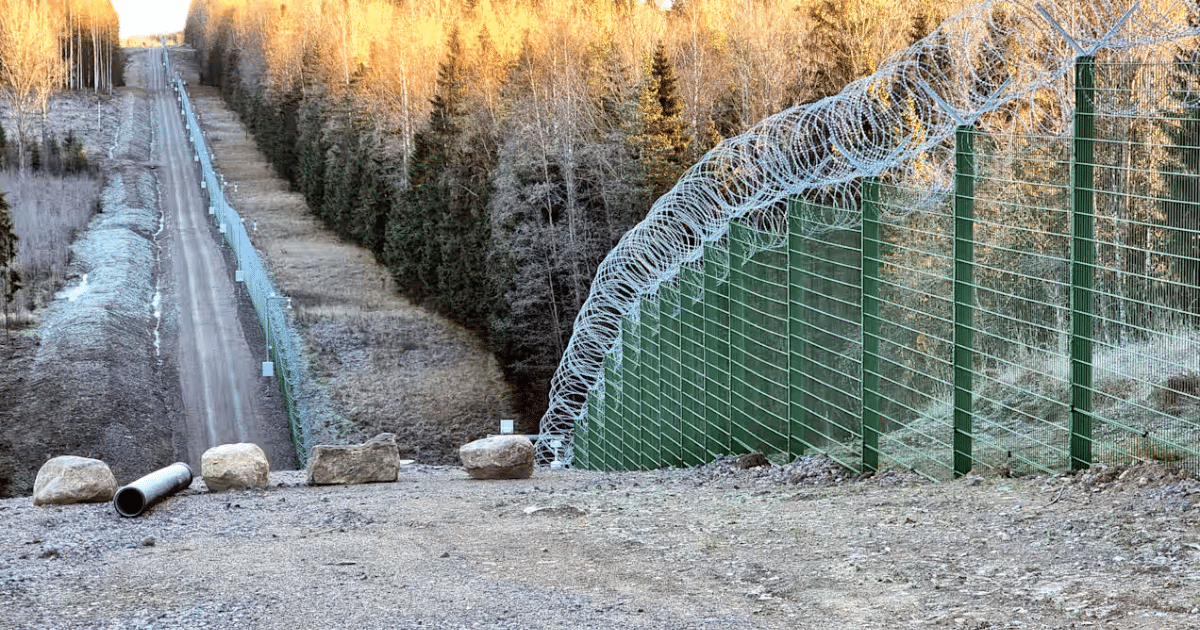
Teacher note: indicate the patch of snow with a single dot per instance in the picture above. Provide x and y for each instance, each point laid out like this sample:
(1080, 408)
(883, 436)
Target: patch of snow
(156, 305)
(72, 293)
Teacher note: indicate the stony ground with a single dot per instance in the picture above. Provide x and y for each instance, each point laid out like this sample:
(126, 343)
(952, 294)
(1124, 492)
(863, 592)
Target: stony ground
(801, 546)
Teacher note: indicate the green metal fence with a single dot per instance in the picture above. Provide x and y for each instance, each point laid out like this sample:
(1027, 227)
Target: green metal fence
(1043, 315)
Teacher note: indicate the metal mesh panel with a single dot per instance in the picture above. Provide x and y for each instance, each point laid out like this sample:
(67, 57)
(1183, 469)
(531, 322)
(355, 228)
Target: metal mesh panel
(829, 324)
(692, 419)
(670, 375)
(758, 324)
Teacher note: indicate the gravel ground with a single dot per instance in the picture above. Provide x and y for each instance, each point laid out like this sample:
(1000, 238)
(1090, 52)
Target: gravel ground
(798, 546)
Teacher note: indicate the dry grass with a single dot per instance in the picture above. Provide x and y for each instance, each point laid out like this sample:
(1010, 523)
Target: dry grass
(389, 365)
(47, 212)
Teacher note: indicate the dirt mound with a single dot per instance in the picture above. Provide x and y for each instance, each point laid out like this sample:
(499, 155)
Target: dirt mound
(94, 387)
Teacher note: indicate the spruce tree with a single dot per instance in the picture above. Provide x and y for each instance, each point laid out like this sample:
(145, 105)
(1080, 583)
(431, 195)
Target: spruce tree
(414, 248)
(663, 144)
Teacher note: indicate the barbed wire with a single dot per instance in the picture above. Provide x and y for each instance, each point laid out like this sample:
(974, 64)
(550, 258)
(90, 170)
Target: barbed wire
(1005, 67)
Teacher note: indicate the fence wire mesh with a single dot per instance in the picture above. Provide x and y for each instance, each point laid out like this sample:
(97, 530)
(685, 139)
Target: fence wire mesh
(1042, 313)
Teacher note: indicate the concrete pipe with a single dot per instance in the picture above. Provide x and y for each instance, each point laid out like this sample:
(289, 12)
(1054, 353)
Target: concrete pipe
(134, 498)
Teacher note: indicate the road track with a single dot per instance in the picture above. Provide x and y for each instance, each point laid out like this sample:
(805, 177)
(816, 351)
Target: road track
(218, 374)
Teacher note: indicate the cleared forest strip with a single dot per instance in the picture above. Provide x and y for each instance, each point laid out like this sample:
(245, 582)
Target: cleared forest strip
(389, 365)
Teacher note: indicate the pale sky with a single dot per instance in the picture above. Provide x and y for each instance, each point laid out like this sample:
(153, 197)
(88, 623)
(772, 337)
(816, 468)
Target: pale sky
(143, 17)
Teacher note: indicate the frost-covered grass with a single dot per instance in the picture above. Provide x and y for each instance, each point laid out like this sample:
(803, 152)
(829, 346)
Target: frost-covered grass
(1145, 403)
(48, 212)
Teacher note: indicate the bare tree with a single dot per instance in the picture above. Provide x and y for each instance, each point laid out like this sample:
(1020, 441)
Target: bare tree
(31, 67)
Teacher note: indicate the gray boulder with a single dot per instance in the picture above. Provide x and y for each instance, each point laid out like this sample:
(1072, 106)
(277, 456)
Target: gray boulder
(71, 479)
(376, 460)
(234, 466)
(498, 457)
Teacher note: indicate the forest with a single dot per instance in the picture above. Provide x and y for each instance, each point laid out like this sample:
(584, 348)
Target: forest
(49, 46)
(491, 152)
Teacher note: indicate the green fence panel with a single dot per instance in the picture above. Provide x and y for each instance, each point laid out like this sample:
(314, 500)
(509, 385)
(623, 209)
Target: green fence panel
(830, 264)
(915, 337)
(651, 413)
(670, 402)
(801, 435)
(716, 350)
(610, 442)
(742, 437)
(631, 397)
(759, 395)
(692, 367)
(584, 446)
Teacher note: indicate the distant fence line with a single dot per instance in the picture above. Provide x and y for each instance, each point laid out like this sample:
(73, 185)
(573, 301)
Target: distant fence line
(1042, 315)
(283, 343)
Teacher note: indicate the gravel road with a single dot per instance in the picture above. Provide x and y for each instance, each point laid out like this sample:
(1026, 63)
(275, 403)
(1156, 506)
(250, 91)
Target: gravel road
(710, 548)
(218, 374)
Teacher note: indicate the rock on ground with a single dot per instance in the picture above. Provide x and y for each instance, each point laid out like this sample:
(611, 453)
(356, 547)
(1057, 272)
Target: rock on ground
(234, 466)
(498, 457)
(376, 460)
(70, 479)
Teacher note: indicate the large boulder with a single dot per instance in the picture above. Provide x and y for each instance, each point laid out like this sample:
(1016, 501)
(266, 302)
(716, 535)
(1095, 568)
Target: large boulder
(498, 457)
(378, 459)
(234, 466)
(71, 479)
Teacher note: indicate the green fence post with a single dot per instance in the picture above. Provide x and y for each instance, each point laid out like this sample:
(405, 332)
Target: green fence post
(716, 349)
(870, 324)
(800, 433)
(964, 296)
(1083, 257)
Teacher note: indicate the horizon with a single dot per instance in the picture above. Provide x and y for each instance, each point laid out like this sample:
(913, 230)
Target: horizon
(150, 17)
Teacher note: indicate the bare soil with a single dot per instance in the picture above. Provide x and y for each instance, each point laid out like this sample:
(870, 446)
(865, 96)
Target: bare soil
(800, 546)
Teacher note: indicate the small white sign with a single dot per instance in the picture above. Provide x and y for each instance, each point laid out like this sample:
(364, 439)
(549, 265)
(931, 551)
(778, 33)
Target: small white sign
(268, 368)
(506, 427)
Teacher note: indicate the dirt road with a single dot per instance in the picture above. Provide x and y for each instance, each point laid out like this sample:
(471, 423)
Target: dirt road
(705, 549)
(218, 374)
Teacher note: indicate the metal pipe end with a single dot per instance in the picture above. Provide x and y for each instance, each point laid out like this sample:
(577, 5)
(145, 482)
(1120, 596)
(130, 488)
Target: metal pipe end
(129, 501)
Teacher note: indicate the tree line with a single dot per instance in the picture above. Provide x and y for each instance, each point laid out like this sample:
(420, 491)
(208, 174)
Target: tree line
(491, 152)
(52, 45)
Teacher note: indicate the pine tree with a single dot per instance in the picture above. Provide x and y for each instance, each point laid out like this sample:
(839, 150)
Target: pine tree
(8, 257)
(663, 144)
(310, 152)
(74, 156)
